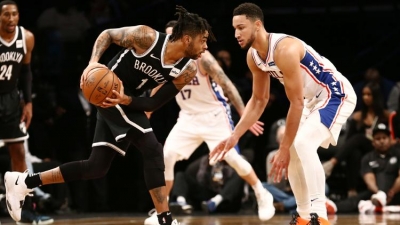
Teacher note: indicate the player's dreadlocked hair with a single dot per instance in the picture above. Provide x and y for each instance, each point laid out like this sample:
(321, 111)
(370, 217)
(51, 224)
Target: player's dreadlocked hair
(6, 2)
(190, 24)
(250, 10)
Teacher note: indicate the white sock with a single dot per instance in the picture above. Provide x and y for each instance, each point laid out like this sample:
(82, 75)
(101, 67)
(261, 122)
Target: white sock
(181, 200)
(310, 171)
(217, 199)
(298, 185)
(258, 188)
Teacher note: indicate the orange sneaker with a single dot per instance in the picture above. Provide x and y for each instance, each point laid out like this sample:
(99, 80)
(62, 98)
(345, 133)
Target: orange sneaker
(315, 220)
(296, 219)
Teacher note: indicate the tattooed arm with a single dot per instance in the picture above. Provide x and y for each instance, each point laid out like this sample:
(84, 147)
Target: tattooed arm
(208, 65)
(164, 94)
(139, 38)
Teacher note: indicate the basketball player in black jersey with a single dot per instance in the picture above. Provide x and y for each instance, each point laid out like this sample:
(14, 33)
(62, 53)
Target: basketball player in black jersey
(148, 59)
(16, 45)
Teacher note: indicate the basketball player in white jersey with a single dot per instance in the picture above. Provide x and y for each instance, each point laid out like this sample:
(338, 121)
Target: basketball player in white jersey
(321, 100)
(205, 117)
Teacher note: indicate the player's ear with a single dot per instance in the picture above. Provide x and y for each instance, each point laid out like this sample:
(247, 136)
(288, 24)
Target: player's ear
(187, 39)
(258, 24)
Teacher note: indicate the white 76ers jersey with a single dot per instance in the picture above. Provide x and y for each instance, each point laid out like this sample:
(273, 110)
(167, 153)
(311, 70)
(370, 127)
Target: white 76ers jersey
(324, 88)
(201, 95)
(320, 76)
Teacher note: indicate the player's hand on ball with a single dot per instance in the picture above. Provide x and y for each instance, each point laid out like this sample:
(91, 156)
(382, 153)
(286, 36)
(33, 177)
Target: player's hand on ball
(91, 66)
(117, 98)
(257, 128)
(218, 153)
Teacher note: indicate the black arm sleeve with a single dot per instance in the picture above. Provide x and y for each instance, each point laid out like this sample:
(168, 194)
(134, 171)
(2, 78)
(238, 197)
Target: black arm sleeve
(25, 82)
(148, 104)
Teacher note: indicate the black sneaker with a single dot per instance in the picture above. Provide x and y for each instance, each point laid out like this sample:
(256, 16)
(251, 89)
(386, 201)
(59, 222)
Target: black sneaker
(31, 218)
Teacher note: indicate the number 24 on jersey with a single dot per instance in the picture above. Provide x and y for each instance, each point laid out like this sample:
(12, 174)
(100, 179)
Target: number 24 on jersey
(6, 72)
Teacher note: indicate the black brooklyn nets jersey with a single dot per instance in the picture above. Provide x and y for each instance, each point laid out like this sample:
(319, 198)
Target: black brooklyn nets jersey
(139, 73)
(11, 55)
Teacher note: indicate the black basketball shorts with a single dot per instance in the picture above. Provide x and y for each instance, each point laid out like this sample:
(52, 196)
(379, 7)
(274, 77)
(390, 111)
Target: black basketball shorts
(11, 128)
(113, 125)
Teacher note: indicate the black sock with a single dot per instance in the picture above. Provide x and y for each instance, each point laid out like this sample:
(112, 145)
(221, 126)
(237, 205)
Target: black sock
(165, 218)
(33, 180)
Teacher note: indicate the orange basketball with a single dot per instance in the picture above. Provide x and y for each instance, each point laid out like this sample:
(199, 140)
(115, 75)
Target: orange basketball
(99, 85)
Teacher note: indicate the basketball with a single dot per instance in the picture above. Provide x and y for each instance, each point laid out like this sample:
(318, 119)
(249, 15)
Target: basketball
(99, 84)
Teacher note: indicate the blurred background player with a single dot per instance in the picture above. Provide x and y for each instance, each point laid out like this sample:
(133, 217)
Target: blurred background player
(16, 45)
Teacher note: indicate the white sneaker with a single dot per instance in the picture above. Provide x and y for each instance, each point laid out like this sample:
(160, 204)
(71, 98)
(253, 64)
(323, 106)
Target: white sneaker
(16, 191)
(366, 207)
(153, 219)
(266, 209)
(379, 199)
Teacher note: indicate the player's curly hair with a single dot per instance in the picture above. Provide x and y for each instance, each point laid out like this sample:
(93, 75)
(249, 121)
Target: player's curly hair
(252, 11)
(190, 24)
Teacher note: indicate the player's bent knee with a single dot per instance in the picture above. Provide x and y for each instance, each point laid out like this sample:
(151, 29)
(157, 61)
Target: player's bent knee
(237, 162)
(170, 159)
(154, 178)
(153, 160)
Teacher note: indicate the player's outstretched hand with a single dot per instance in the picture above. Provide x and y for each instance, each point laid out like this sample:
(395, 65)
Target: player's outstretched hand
(280, 163)
(118, 98)
(257, 128)
(218, 153)
(91, 66)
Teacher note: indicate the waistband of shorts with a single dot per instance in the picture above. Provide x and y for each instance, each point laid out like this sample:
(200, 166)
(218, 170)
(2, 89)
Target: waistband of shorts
(15, 90)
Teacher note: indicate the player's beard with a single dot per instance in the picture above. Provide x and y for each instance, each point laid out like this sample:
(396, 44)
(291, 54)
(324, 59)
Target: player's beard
(191, 53)
(250, 41)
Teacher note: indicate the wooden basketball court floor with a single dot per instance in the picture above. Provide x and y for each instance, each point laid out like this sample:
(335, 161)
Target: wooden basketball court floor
(126, 219)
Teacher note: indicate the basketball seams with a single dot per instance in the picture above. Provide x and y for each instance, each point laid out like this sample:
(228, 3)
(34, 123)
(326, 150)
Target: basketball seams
(94, 89)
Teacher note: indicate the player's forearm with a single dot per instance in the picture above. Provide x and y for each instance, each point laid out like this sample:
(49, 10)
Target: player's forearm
(148, 104)
(370, 181)
(252, 112)
(396, 186)
(101, 44)
(234, 97)
(292, 125)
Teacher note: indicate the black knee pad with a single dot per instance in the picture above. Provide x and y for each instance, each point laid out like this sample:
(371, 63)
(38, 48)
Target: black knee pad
(153, 158)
